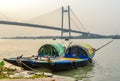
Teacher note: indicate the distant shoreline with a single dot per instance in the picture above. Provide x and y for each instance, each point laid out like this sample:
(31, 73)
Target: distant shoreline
(51, 37)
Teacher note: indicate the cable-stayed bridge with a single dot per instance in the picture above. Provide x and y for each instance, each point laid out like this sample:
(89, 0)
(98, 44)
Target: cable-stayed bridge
(62, 29)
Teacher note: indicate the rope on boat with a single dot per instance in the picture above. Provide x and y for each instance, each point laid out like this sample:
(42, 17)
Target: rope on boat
(29, 67)
(104, 45)
(20, 62)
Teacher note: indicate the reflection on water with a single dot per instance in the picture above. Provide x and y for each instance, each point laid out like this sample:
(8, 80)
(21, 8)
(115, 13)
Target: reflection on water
(79, 73)
(105, 66)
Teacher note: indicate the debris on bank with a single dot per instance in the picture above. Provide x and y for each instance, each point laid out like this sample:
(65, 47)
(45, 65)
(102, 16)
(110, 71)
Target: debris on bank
(9, 74)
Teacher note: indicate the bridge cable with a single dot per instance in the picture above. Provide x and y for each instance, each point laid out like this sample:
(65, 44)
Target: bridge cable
(79, 20)
(75, 24)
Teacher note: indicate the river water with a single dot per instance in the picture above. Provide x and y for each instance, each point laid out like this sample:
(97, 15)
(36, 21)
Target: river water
(105, 66)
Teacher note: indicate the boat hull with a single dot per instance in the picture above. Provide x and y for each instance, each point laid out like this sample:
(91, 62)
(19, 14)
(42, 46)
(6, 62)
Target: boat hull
(54, 66)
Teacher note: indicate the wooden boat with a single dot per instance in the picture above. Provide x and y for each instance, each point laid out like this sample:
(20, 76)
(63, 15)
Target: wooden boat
(56, 57)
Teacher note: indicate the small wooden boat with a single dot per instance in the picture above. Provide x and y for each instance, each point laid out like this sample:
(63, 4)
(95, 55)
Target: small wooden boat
(54, 57)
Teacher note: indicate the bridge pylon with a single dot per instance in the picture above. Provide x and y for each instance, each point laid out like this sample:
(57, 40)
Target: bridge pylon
(62, 23)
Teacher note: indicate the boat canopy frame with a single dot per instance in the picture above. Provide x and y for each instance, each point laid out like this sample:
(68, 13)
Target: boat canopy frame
(87, 51)
(51, 50)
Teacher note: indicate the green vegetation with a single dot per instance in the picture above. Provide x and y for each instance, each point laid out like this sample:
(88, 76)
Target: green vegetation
(4, 71)
(13, 74)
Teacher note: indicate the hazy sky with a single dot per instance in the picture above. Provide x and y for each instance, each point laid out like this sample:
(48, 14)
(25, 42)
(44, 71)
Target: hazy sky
(98, 16)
